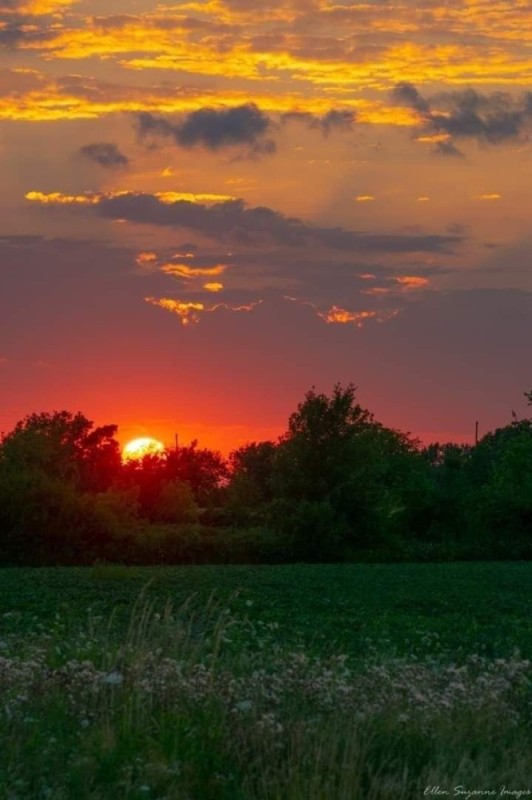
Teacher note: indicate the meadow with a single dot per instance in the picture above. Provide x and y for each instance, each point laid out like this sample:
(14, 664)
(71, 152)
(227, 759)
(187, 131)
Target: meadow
(293, 682)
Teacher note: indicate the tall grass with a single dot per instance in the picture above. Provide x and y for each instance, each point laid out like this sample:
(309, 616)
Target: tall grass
(197, 704)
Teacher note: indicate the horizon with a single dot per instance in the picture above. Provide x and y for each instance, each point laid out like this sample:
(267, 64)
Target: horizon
(162, 433)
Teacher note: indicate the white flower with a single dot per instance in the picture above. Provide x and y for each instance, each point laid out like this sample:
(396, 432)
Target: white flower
(113, 678)
(244, 705)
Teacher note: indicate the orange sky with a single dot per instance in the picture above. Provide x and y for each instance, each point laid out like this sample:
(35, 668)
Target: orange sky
(209, 207)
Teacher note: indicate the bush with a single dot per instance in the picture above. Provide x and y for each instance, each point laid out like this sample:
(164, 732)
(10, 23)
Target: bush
(314, 529)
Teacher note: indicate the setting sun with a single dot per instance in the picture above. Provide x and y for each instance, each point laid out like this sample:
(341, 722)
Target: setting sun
(138, 448)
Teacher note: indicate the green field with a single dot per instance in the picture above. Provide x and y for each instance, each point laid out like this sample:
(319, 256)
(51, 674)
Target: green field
(462, 608)
(287, 682)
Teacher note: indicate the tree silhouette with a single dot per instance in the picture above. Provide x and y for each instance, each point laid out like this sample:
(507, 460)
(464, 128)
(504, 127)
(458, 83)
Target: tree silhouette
(66, 446)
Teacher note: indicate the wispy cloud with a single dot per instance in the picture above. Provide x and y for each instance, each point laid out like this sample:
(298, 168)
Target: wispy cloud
(190, 313)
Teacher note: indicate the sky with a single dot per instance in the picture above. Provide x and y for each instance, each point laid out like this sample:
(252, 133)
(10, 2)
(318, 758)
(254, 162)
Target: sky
(207, 208)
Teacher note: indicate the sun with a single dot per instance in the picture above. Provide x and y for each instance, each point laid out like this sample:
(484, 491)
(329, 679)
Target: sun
(138, 448)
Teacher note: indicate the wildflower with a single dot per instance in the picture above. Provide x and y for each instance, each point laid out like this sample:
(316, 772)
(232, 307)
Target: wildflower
(244, 705)
(113, 678)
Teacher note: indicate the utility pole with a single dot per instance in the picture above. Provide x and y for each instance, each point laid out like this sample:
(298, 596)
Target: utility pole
(176, 442)
(476, 433)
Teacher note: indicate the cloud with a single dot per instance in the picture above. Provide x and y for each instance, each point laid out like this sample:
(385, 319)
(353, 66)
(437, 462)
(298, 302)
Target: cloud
(105, 154)
(184, 271)
(347, 276)
(190, 313)
(11, 33)
(36, 7)
(491, 119)
(336, 315)
(93, 198)
(395, 285)
(341, 316)
(335, 118)
(447, 148)
(331, 120)
(405, 94)
(234, 221)
(214, 129)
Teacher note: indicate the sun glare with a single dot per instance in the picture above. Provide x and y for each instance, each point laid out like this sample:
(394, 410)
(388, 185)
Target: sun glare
(138, 448)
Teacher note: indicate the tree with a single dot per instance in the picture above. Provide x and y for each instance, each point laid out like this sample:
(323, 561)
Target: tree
(339, 475)
(65, 446)
(175, 503)
(203, 469)
(319, 448)
(503, 462)
(251, 485)
(450, 501)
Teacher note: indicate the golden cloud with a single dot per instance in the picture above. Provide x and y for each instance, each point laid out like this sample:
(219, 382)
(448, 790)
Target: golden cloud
(342, 316)
(189, 313)
(39, 8)
(401, 283)
(93, 198)
(34, 97)
(184, 271)
(482, 43)
(412, 282)
(147, 258)
(60, 199)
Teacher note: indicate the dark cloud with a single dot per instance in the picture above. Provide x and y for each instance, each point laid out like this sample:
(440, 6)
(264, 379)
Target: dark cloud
(11, 33)
(405, 94)
(447, 148)
(106, 154)
(333, 119)
(490, 119)
(214, 128)
(234, 221)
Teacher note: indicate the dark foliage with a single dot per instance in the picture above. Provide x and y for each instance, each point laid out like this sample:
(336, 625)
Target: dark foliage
(336, 486)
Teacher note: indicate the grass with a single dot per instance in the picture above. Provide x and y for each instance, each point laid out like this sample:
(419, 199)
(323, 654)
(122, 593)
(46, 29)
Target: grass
(304, 682)
(402, 608)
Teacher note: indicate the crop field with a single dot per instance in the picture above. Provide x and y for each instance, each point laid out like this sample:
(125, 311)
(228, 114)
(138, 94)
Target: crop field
(301, 682)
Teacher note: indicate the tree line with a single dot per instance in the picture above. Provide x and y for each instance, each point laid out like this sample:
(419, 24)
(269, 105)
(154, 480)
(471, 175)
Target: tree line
(337, 485)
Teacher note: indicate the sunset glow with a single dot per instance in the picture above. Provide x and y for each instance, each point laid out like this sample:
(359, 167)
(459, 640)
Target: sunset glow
(251, 199)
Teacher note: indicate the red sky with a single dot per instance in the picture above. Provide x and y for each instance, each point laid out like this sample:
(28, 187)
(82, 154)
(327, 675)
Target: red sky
(207, 208)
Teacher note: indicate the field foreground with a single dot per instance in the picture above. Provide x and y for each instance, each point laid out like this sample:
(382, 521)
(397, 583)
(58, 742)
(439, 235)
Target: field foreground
(302, 682)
